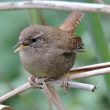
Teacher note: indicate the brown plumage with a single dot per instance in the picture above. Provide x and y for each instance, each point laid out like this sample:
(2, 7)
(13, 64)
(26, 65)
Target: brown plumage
(50, 52)
(47, 51)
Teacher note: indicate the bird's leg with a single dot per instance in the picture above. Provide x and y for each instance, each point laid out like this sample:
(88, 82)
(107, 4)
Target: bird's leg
(36, 82)
(33, 81)
(65, 84)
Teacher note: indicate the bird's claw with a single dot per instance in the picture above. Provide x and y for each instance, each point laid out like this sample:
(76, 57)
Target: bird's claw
(35, 82)
(65, 84)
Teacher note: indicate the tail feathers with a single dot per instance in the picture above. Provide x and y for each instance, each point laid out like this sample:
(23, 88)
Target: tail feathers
(78, 45)
(72, 21)
(53, 96)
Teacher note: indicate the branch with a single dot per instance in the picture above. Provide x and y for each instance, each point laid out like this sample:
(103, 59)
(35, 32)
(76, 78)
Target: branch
(58, 5)
(15, 92)
(101, 69)
(4, 107)
(89, 68)
(27, 86)
(91, 73)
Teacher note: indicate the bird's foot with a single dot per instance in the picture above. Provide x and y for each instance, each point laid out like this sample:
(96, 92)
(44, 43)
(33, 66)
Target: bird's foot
(36, 82)
(65, 84)
(33, 81)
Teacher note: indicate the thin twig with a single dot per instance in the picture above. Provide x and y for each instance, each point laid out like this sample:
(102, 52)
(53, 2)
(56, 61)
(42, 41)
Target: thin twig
(58, 5)
(27, 86)
(5, 107)
(15, 92)
(89, 68)
(91, 73)
(77, 85)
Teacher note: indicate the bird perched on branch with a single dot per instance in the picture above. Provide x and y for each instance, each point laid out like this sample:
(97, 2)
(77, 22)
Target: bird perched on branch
(49, 52)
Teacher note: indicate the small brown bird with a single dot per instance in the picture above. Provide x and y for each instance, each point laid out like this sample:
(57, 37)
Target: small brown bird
(47, 51)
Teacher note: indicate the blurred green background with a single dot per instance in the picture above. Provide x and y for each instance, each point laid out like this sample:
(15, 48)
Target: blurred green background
(95, 32)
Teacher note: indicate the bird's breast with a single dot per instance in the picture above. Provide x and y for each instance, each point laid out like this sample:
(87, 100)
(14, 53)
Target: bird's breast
(46, 64)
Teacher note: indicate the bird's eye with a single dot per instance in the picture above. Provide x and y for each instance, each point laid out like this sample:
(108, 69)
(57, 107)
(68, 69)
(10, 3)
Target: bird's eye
(33, 40)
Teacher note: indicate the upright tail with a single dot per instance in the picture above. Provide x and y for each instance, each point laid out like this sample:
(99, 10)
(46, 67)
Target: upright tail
(72, 21)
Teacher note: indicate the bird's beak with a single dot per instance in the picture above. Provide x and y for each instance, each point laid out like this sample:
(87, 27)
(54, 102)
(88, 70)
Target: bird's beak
(20, 46)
